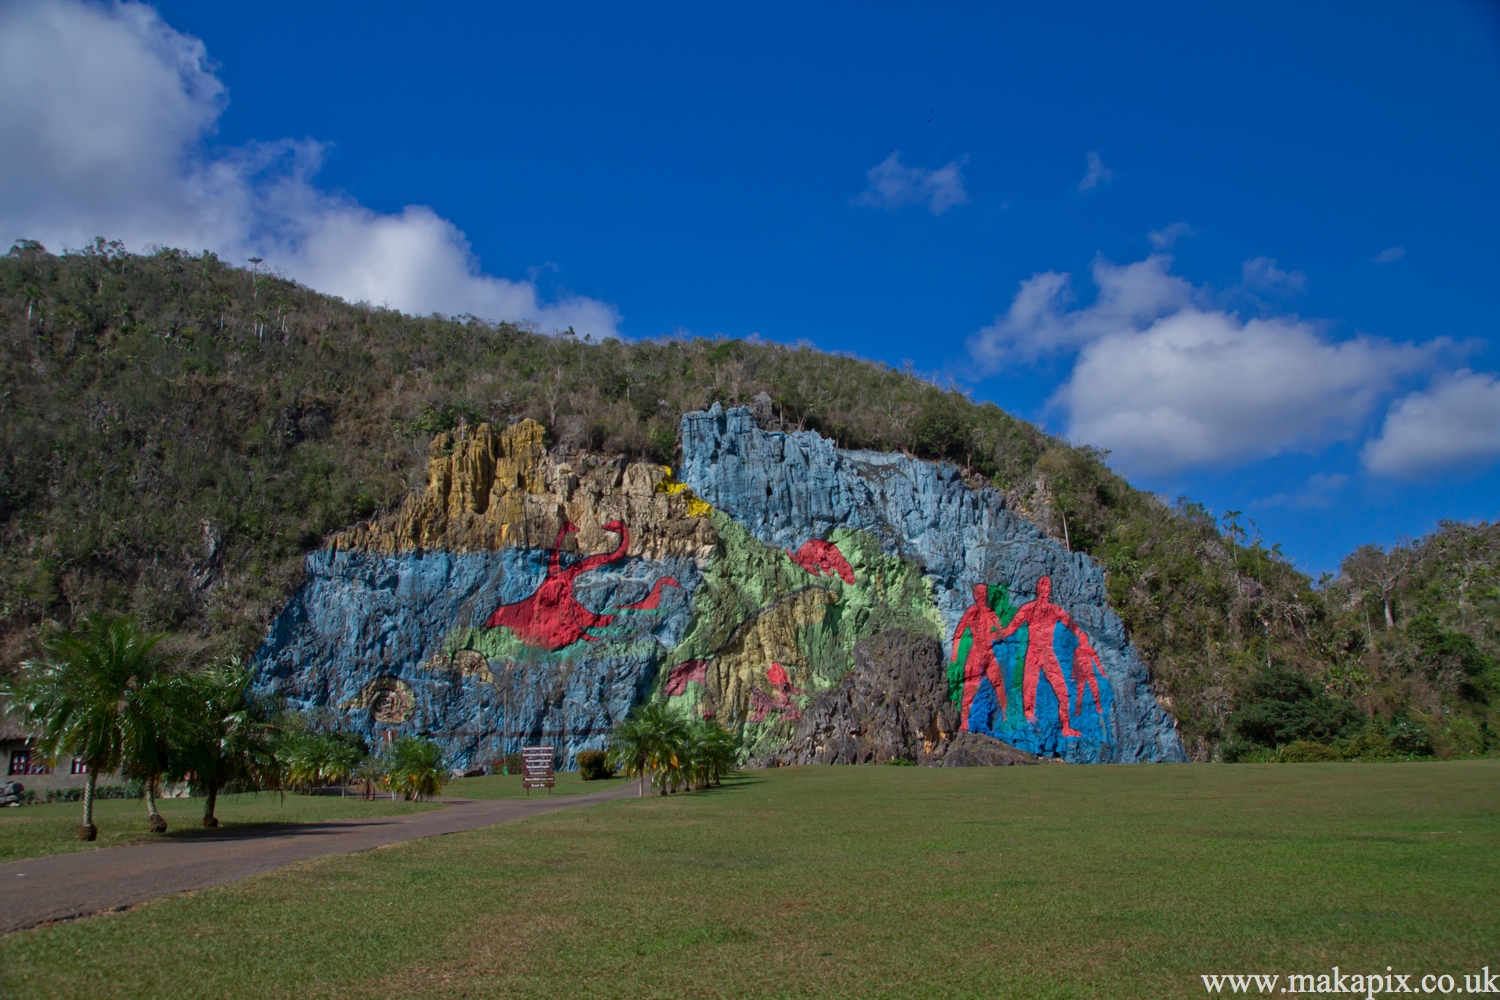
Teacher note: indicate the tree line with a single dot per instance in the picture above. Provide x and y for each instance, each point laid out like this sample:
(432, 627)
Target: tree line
(108, 696)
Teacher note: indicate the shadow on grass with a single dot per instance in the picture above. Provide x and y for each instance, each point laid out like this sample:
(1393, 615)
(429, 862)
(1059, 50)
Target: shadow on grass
(731, 782)
(274, 828)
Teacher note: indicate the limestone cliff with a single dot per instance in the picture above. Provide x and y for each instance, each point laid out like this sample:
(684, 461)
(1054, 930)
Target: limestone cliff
(490, 489)
(525, 595)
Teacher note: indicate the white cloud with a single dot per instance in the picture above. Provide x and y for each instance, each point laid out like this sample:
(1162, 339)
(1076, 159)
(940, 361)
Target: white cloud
(104, 116)
(1039, 321)
(1165, 380)
(894, 186)
(1263, 274)
(1389, 254)
(1452, 425)
(1098, 172)
(1167, 237)
(1200, 388)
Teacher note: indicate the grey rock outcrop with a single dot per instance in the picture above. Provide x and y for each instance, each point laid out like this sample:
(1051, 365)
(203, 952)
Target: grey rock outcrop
(893, 705)
(979, 750)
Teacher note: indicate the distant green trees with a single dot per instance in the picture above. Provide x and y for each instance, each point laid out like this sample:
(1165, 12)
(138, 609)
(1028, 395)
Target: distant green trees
(313, 759)
(106, 695)
(657, 743)
(1281, 706)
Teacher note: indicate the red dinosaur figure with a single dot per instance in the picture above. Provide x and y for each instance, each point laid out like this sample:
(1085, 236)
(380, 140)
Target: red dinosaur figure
(684, 674)
(551, 617)
(819, 557)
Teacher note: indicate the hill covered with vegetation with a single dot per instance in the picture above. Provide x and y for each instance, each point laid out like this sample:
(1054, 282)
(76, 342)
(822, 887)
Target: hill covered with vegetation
(178, 432)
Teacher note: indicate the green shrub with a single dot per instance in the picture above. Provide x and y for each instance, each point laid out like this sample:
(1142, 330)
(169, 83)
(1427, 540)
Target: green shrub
(1410, 739)
(899, 762)
(1370, 743)
(130, 790)
(1236, 751)
(414, 767)
(594, 765)
(1283, 707)
(1307, 752)
(1458, 737)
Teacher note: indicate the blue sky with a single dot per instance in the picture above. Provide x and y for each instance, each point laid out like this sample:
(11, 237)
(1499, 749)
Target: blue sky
(1276, 221)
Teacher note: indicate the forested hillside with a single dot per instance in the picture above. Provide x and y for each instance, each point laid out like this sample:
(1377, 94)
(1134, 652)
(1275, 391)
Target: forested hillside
(178, 432)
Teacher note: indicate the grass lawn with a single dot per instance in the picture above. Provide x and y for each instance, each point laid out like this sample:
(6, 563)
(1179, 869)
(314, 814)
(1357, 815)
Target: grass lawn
(508, 786)
(31, 831)
(859, 882)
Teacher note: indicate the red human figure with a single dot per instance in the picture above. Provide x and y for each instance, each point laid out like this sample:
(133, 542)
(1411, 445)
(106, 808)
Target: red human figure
(551, 617)
(1043, 616)
(1085, 662)
(983, 625)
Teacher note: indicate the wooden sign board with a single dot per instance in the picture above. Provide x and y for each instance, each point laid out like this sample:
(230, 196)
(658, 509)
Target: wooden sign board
(537, 768)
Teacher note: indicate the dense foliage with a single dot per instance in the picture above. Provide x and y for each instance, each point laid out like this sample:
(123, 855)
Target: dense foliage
(673, 752)
(177, 432)
(594, 765)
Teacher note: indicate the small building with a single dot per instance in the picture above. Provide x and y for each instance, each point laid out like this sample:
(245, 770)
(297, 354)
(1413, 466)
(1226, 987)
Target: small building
(22, 764)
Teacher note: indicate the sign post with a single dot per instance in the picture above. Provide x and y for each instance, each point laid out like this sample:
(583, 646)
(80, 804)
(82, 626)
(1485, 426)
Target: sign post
(536, 768)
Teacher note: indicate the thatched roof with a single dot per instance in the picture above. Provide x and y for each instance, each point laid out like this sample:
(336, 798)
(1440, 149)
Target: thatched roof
(10, 723)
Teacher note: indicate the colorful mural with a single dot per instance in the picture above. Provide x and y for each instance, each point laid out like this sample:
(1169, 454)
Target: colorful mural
(527, 596)
(994, 655)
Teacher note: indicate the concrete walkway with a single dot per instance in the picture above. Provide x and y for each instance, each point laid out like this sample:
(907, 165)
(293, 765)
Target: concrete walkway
(65, 886)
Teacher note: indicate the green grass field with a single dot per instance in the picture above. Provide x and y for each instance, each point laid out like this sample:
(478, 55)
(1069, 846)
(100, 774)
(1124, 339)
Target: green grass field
(31, 831)
(859, 882)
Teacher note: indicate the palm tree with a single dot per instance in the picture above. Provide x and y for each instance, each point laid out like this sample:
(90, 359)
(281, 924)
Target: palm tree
(651, 741)
(343, 758)
(156, 710)
(232, 736)
(414, 767)
(711, 751)
(630, 747)
(306, 757)
(371, 772)
(93, 696)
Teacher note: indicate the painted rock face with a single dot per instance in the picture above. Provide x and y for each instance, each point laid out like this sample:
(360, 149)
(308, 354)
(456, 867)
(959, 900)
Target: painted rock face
(523, 599)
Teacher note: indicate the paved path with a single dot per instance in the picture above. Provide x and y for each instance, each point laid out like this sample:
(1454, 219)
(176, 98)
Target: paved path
(64, 886)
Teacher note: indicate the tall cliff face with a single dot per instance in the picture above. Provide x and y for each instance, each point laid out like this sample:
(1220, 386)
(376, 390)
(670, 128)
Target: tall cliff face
(1050, 673)
(521, 597)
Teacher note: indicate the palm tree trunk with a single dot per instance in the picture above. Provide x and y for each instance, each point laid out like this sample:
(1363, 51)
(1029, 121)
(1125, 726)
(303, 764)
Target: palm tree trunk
(88, 831)
(642, 794)
(153, 818)
(209, 819)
